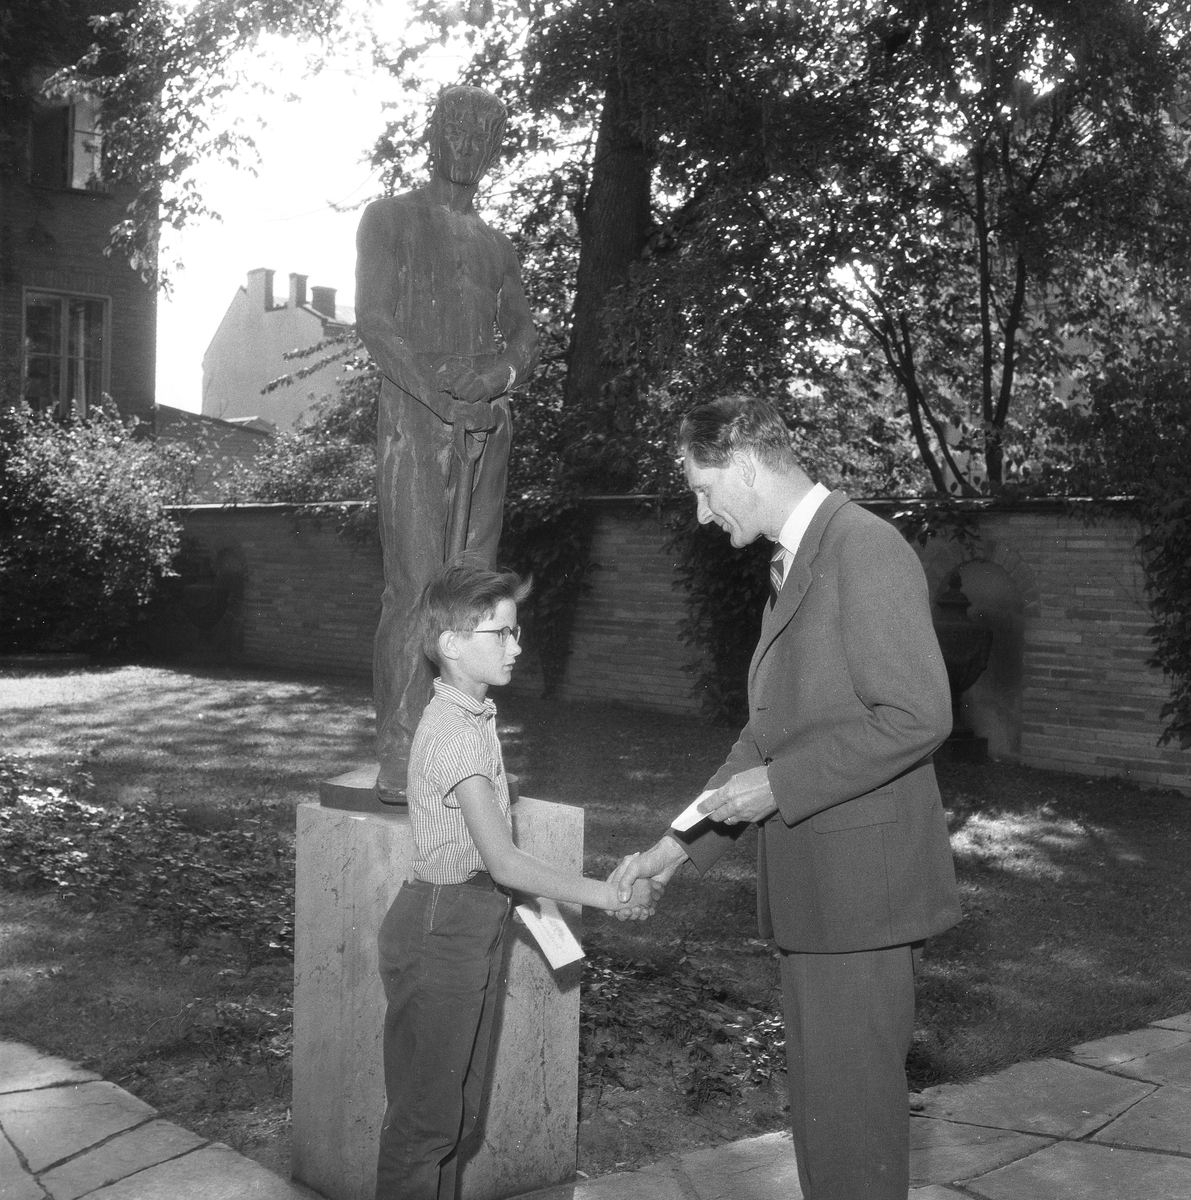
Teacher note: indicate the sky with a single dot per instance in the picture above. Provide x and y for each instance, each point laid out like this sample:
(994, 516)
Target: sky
(313, 158)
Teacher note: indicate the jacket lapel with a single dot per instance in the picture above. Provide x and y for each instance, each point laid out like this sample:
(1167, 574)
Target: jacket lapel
(798, 579)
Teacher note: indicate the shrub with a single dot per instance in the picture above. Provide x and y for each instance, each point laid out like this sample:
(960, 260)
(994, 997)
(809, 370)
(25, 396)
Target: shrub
(84, 535)
(1133, 441)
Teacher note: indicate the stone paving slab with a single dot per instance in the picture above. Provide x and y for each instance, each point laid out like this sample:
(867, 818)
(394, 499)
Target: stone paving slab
(15, 1182)
(1049, 1097)
(757, 1168)
(936, 1191)
(53, 1123)
(658, 1182)
(944, 1151)
(133, 1151)
(23, 1068)
(214, 1173)
(1079, 1171)
(1182, 1021)
(1112, 1053)
(1162, 1066)
(1160, 1122)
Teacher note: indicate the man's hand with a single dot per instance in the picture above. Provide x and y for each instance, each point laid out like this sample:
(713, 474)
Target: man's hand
(642, 901)
(745, 797)
(657, 864)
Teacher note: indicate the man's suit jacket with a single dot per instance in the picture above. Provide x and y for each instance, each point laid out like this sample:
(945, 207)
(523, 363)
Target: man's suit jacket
(848, 699)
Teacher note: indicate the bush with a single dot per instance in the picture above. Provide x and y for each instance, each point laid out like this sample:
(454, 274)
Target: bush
(84, 535)
(1133, 441)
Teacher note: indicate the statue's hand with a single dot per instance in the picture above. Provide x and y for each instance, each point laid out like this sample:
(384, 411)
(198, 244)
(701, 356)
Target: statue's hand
(480, 417)
(465, 384)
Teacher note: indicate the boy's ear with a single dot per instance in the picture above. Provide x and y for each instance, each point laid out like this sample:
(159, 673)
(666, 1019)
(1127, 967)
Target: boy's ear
(448, 644)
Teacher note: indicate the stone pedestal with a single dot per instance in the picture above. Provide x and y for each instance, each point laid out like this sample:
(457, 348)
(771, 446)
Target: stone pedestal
(350, 865)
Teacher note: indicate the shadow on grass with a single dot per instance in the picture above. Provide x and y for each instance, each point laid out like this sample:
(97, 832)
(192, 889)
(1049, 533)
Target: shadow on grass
(1076, 895)
(1076, 892)
(194, 737)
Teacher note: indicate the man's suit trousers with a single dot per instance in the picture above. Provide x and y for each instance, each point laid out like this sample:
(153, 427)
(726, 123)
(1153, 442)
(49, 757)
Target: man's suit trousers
(849, 1020)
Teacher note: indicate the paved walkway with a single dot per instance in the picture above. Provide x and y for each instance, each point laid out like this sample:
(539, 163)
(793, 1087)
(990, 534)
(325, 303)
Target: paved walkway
(1111, 1121)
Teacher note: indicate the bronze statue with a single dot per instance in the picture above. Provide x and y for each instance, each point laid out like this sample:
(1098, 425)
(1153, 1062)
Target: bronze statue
(434, 285)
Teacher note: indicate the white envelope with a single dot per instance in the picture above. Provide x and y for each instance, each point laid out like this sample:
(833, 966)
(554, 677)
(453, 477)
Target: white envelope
(550, 932)
(691, 816)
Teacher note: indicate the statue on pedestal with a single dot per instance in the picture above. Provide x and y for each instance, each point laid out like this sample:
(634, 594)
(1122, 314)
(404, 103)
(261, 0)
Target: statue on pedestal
(441, 308)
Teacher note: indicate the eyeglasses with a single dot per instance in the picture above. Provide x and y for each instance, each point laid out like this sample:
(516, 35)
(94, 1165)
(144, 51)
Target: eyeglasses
(504, 633)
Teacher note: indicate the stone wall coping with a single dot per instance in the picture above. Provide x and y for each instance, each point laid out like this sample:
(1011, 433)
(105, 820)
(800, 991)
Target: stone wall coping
(874, 503)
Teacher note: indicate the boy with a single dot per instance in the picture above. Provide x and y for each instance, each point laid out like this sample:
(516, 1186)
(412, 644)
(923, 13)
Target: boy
(441, 941)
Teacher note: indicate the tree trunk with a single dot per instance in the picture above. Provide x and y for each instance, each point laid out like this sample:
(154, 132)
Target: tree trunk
(614, 226)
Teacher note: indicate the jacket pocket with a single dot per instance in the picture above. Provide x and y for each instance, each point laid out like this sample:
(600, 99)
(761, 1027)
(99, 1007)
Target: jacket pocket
(876, 808)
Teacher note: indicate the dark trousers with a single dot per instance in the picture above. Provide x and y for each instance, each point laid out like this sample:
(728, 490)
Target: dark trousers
(440, 958)
(849, 1020)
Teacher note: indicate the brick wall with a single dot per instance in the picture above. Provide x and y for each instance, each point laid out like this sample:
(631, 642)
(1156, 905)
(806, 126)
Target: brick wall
(626, 644)
(1088, 702)
(54, 240)
(1068, 610)
(308, 600)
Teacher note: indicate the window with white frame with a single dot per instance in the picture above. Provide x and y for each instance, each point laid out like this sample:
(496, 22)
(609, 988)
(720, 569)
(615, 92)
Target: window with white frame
(65, 347)
(66, 147)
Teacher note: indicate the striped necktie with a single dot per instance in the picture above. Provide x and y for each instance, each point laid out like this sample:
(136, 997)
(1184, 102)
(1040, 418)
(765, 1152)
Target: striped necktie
(777, 572)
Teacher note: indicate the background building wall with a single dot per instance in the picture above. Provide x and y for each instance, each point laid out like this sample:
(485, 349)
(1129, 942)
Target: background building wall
(249, 347)
(53, 240)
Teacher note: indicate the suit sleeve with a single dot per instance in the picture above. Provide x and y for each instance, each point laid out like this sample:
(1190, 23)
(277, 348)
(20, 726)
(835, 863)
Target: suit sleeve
(707, 842)
(896, 673)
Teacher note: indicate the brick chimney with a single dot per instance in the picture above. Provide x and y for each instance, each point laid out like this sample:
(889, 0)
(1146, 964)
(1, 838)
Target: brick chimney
(260, 288)
(297, 290)
(323, 301)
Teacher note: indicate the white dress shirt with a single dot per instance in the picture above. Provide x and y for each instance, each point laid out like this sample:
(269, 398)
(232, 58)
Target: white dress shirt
(797, 524)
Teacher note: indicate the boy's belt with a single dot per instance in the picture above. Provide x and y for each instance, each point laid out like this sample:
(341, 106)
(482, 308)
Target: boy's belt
(482, 879)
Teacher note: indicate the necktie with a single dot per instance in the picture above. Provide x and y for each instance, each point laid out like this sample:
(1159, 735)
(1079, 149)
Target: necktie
(777, 572)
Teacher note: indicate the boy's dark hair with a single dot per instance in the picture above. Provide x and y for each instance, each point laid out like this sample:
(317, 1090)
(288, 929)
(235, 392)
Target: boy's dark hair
(712, 432)
(460, 596)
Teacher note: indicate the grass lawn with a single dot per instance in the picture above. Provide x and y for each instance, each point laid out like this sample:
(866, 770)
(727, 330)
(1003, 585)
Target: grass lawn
(1076, 893)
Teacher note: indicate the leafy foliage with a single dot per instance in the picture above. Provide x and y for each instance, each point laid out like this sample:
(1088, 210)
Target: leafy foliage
(626, 1006)
(163, 73)
(236, 881)
(84, 533)
(546, 532)
(35, 35)
(726, 593)
(1133, 441)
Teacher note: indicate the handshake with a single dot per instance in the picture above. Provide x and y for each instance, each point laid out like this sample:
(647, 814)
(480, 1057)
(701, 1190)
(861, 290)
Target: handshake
(640, 879)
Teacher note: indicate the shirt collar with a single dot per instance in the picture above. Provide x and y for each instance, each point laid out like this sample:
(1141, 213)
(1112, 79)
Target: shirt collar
(452, 695)
(799, 521)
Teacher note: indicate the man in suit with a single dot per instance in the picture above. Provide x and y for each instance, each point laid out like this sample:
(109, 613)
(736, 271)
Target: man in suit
(848, 699)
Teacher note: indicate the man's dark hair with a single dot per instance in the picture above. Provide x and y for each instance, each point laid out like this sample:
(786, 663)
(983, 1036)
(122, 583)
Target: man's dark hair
(460, 596)
(712, 432)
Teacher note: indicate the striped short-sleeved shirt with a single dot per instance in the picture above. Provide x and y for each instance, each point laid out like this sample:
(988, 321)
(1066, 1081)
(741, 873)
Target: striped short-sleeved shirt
(456, 738)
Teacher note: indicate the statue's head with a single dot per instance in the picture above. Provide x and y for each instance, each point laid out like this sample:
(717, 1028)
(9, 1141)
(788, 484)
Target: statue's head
(465, 133)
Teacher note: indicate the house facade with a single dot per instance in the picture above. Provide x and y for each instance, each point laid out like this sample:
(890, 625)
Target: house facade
(74, 324)
(249, 348)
